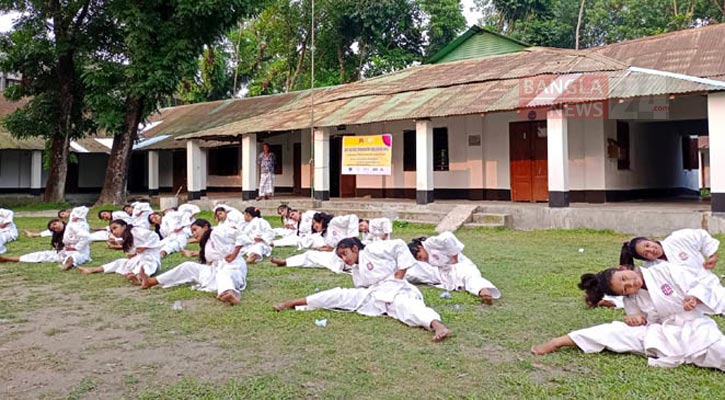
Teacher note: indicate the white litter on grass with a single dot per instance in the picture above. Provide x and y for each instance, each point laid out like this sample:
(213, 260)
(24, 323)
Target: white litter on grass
(301, 308)
(321, 323)
(317, 290)
(445, 295)
(581, 250)
(177, 306)
(457, 307)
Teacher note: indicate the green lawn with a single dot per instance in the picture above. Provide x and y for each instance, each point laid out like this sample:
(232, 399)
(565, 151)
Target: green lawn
(264, 354)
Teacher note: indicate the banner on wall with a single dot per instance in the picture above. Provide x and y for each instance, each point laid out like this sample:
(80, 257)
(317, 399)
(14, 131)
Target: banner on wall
(367, 155)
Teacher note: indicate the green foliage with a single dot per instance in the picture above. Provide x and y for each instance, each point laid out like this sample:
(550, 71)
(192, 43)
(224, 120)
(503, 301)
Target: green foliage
(445, 23)
(211, 82)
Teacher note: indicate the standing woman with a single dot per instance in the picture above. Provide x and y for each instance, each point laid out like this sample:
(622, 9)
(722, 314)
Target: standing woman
(256, 236)
(8, 230)
(457, 272)
(142, 248)
(665, 320)
(330, 230)
(170, 229)
(221, 268)
(266, 162)
(71, 247)
(377, 273)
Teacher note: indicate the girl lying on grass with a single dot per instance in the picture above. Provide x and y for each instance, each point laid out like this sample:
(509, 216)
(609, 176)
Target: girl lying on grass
(377, 273)
(142, 248)
(442, 264)
(71, 247)
(665, 320)
(221, 268)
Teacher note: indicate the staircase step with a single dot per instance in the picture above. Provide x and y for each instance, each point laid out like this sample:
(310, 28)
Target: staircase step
(491, 219)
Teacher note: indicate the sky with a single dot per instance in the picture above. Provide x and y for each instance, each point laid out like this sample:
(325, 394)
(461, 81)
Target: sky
(6, 20)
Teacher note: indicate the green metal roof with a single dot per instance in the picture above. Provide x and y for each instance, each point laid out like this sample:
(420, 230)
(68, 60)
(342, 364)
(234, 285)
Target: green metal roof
(477, 42)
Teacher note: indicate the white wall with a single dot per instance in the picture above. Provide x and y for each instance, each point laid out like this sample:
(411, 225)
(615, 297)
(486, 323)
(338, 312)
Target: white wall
(91, 170)
(586, 154)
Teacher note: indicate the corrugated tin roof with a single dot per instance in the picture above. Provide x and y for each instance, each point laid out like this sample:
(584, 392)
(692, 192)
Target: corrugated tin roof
(473, 98)
(7, 141)
(696, 52)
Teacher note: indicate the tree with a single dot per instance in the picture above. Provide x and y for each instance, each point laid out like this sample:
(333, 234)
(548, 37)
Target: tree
(211, 80)
(445, 23)
(49, 47)
(154, 44)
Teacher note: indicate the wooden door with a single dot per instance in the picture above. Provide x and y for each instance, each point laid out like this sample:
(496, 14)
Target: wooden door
(528, 155)
(179, 168)
(340, 185)
(297, 169)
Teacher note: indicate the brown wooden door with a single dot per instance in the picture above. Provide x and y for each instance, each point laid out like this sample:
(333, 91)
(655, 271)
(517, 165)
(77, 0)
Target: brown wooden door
(179, 168)
(348, 183)
(528, 155)
(297, 168)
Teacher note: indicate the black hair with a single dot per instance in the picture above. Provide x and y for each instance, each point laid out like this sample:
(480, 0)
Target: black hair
(157, 227)
(629, 251)
(596, 286)
(202, 223)
(110, 212)
(253, 211)
(126, 206)
(127, 235)
(56, 240)
(60, 211)
(348, 243)
(415, 244)
(324, 219)
(283, 207)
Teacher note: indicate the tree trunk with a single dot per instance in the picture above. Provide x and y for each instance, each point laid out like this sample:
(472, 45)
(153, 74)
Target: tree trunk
(114, 186)
(579, 24)
(55, 188)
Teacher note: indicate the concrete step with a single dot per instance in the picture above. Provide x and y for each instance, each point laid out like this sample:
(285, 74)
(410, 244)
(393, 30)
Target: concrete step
(491, 219)
(480, 225)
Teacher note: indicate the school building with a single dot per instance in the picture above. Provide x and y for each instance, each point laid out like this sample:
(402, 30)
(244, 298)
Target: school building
(487, 118)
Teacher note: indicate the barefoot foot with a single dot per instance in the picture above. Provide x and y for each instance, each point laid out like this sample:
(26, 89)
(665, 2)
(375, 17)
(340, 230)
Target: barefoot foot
(85, 271)
(145, 280)
(229, 296)
(283, 306)
(441, 331)
(541, 349)
(251, 258)
(280, 262)
(133, 278)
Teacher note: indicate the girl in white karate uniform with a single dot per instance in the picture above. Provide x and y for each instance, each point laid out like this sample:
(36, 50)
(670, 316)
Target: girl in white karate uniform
(71, 247)
(692, 249)
(375, 229)
(221, 268)
(189, 211)
(142, 248)
(377, 273)
(140, 214)
(456, 271)
(8, 230)
(289, 225)
(665, 321)
(330, 230)
(104, 234)
(170, 229)
(303, 222)
(256, 236)
(74, 215)
(224, 214)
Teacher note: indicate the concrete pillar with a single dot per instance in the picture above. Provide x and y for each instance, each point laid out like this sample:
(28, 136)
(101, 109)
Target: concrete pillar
(36, 172)
(249, 166)
(306, 150)
(322, 163)
(558, 158)
(193, 169)
(204, 163)
(424, 186)
(716, 129)
(153, 159)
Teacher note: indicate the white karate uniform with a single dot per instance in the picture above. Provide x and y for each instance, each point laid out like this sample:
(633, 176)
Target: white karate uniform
(256, 228)
(377, 229)
(235, 218)
(141, 212)
(289, 228)
(79, 215)
(304, 229)
(75, 237)
(189, 211)
(463, 275)
(105, 234)
(172, 232)
(377, 292)
(46, 233)
(149, 260)
(672, 336)
(217, 275)
(8, 230)
(339, 228)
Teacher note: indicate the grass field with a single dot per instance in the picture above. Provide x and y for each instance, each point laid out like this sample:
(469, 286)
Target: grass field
(63, 335)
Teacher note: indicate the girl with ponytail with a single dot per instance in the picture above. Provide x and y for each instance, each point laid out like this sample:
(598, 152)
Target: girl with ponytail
(71, 246)
(142, 248)
(256, 236)
(220, 269)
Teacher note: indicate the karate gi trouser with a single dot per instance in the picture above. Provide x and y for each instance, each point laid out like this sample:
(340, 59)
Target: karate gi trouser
(173, 244)
(468, 277)
(621, 338)
(287, 241)
(317, 259)
(407, 306)
(284, 232)
(260, 249)
(133, 265)
(6, 237)
(205, 278)
(99, 236)
(50, 256)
